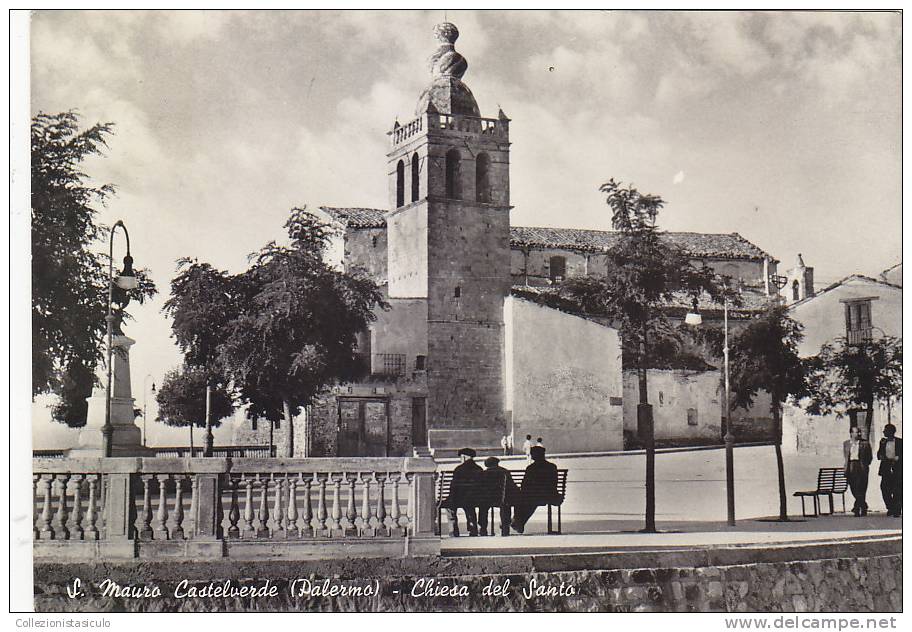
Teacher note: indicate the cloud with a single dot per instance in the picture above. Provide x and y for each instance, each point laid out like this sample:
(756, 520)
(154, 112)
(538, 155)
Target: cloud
(678, 178)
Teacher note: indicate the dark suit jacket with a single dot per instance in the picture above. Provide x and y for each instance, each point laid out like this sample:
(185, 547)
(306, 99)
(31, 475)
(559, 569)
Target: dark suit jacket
(464, 486)
(864, 452)
(497, 488)
(539, 484)
(882, 455)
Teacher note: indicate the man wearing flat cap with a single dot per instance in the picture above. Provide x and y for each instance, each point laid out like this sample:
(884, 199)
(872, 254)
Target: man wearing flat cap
(539, 487)
(497, 490)
(463, 489)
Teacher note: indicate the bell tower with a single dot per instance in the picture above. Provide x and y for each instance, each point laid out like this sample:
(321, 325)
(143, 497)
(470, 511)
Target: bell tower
(449, 242)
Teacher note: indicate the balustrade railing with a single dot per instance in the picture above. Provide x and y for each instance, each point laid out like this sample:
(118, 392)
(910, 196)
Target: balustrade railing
(209, 506)
(449, 122)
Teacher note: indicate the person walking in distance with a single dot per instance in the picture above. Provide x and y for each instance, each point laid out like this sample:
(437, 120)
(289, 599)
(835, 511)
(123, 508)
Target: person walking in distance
(857, 452)
(463, 489)
(503, 444)
(527, 445)
(889, 452)
(539, 443)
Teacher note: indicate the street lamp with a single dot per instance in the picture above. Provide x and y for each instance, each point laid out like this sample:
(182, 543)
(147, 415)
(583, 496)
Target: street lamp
(145, 393)
(694, 318)
(126, 280)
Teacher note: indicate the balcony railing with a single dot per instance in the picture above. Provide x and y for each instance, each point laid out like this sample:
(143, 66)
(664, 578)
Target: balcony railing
(242, 451)
(859, 336)
(244, 508)
(449, 122)
(391, 364)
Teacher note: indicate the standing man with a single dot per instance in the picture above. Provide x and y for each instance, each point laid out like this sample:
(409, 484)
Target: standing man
(890, 455)
(539, 487)
(858, 458)
(527, 445)
(510, 443)
(539, 443)
(463, 489)
(503, 445)
(498, 490)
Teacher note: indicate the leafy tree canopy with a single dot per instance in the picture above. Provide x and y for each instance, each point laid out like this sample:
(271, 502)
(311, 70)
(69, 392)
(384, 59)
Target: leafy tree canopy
(644, 274)
(844, 377)
(69, 263)
(182, 398)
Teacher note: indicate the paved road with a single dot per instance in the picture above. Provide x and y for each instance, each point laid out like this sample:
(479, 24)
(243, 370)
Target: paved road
(606, 494)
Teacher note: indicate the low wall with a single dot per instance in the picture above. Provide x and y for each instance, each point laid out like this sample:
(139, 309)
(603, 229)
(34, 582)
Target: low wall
(864, 576)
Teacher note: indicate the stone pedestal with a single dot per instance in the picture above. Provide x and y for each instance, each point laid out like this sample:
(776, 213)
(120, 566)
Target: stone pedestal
(126, 439)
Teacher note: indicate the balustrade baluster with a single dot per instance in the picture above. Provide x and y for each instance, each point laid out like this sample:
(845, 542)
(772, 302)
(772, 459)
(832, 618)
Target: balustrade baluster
(247, 529)
(262, 519)
(44, 517)
(234, 514)
(392, 520)
(380, 512)
(410, 505)
(175, 524)
(278, 511)
(190, 530)
(364, 519)
(36, 493)
(335, 525)
(292, 514)
(307, 529)
(73, 524)
(60, 516)
(348, 523)
(321, 507)
(144, 516)
(160, 525)
(90, 530)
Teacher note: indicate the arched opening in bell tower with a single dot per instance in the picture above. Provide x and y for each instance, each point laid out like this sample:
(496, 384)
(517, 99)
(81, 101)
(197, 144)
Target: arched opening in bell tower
(453, 190)
(483, 178)
(400, 184)
(415, 181)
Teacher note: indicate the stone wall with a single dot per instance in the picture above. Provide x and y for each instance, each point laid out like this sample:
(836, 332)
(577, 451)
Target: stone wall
(563, 379)
(594, 584)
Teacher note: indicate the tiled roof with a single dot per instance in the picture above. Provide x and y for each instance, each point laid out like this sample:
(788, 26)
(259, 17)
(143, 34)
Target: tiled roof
(843, 281)
(710, 245)
(727, 246)
(357, 217)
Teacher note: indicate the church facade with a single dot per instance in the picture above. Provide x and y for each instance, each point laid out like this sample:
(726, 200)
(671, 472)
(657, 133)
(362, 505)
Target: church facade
(470, 349)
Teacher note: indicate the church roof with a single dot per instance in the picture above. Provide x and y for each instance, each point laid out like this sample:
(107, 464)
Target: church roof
(709, 245)
(852, 277)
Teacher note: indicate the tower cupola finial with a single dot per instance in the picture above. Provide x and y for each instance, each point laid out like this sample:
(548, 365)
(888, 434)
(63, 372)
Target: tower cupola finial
(446, 61)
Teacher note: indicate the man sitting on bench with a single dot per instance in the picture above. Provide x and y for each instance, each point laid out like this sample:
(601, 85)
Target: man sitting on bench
(463, 490)
(497, 490)
(539, 487)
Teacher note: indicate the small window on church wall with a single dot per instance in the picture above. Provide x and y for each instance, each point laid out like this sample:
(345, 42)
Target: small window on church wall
(400, 184)
(415, 181)
(795, 290)
(483, 178)
(558, 268)
(692, 419)
(452, 175)
(457, 292)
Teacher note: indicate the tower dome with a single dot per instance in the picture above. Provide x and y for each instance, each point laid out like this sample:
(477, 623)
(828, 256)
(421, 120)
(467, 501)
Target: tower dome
(447, 93)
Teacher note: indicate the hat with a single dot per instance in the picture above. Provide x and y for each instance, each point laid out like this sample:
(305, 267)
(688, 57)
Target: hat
(491, 461)
(537, 452)
(466, 451)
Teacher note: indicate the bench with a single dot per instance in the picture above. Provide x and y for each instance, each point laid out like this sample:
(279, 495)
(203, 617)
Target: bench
(442, 490)
(830, 481)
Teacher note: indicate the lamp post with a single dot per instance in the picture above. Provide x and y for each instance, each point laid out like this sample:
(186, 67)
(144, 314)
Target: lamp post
(694, 318)
(647, 432)
(145, 393)
(126, 280)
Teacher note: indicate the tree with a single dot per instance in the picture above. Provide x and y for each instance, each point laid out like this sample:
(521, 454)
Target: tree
(182, 398)
(281, 331)
(645, 273)
(296, 331)
(845, 377)
(764, 356)
(203, 301)
(69, 277)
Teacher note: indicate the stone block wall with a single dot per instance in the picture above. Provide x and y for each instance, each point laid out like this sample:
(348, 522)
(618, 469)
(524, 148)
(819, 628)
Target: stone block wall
(862, 584)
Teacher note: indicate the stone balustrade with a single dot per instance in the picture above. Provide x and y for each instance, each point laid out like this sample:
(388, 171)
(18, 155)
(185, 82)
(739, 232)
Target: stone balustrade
(449, 122)
(242, 508)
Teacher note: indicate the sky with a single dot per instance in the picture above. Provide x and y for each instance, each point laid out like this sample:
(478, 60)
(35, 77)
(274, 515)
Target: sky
(783, 127)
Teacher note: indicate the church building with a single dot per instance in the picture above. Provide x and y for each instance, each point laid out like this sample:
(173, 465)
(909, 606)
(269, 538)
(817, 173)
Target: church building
(471, 349)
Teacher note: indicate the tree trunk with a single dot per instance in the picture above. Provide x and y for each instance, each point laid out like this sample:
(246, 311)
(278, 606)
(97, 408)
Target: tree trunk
(869, 418)
(207, 449)
(289, 423)
(783, 500)
(271, 439)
